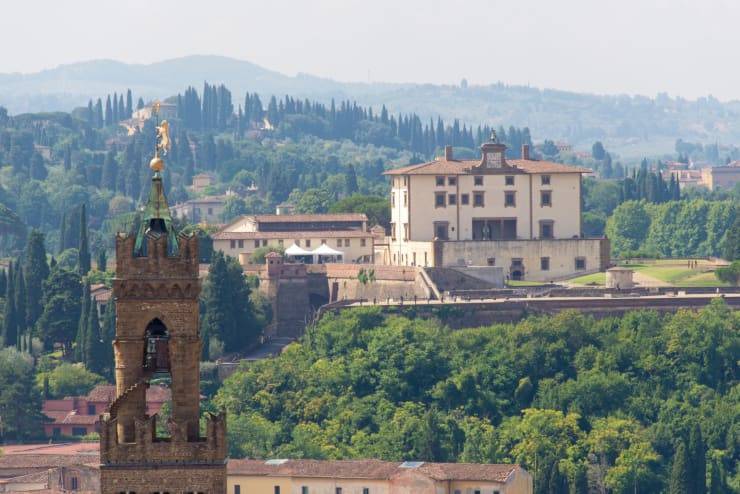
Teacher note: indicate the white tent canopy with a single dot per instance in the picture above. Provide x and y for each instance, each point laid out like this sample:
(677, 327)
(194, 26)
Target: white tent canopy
(296, 250)
(325, 250)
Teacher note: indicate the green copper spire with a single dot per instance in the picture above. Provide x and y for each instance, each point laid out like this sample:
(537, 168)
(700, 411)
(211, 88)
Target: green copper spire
(157, 219)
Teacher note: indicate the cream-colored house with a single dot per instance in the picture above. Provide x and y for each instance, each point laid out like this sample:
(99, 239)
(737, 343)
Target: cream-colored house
(523, 215)
(346, 233)
(374, 477)
(721, 177)
(203, 210)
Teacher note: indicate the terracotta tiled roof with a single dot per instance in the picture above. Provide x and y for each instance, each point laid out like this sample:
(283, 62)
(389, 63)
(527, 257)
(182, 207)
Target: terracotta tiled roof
(370, 469)
(303, 218)
(33, 461)
(456, 167)
(51, 449)
(223, 235)
(71, 418)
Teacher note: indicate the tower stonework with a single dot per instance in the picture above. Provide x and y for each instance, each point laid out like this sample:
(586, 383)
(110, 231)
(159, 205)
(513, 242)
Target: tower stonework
(156, 292)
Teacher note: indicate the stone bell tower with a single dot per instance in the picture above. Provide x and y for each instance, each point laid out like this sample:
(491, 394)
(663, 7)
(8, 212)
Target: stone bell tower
(156, 292)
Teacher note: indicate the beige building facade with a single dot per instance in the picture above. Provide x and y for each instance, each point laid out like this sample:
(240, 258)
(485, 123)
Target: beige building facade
(346, 233)
(523, 215)
(374, 477)
(721, 177)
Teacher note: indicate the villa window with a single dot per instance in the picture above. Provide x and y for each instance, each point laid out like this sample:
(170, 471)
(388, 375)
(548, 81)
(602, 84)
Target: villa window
(280, 242)
(363, 242)
(509, 180)
(256, 244)
(232, 244)
(405, 198)
(491, 261)
(451, 180)
(441, 230)
(264, 243)
(478, 201)
(439, 199)
(510, 199)
(547, 229)
(405, 231)
(580, 263)
(452, 199)
(304, 489)
(478, 180)
(339, 242)
(241, 244)
(393, 199)
(393, 232)
(346, 242)
(545, 198)
(545, 179)
(545, 263)
(465, 199)
(440, 181)
(276, 490)
(308, 242)
(365, 490)
(237, 489)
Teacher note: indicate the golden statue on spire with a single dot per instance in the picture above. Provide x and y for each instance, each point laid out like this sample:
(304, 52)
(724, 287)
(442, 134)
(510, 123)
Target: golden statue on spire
(163, 141)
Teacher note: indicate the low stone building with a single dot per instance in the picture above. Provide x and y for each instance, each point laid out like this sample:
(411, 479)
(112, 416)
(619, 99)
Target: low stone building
(374, 477)
(207, 209)
(346, 233)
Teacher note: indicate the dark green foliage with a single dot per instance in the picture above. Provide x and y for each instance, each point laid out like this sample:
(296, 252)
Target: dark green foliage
(21, 299)
(10, 313)
(83, 246)
(697, 461)
(376, 208)
(3, 283)
(20, 400)
(228, 312)
(82, 325)
(36, 271)
(62, 305)
(564, 391)
(93, 350)
(102, 261)
(731, 250)
(729, 274)
(107, 334)
(680, 481)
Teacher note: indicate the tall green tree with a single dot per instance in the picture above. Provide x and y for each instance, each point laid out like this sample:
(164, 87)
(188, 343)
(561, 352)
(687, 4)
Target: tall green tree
(10, 319)
(697, 461)
(680, 481)
(229, 314)
(102, 261)
(37, 270)
(107, 335)
(83, 245)
(62, 304)
(20, 301)
(82, 325)
(93, 345)
(20, 400)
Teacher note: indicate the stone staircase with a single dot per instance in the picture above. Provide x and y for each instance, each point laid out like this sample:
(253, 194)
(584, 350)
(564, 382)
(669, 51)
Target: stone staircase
(450, 280)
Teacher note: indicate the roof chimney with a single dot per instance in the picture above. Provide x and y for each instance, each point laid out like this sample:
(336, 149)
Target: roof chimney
(448, 153)
(525, 151)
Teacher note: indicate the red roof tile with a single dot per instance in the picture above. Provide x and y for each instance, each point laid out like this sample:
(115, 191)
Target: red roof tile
(370, 469)
(224, 235)
(303, 218)
(455, 167)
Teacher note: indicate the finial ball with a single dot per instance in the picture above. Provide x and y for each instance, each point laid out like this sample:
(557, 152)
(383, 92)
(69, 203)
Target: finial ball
(156, 164)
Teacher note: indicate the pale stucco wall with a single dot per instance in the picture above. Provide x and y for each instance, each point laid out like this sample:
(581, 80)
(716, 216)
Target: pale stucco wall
(352, 253)
(561, 253)
(420, 211)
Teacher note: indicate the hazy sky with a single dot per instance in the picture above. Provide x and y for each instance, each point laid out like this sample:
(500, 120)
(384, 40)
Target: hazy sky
(683, 47)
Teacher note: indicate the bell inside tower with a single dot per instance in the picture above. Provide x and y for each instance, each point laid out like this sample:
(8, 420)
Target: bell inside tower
(156, 348)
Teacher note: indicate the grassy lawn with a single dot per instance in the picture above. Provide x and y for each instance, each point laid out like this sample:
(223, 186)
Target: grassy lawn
(676, 272)
(590, 279)
(519, 283)
(703, 279)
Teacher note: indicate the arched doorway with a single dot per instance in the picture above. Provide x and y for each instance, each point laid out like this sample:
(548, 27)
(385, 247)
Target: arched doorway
(156, 347)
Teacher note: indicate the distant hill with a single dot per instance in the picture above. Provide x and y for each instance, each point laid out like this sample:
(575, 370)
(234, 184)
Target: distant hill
(629, 124)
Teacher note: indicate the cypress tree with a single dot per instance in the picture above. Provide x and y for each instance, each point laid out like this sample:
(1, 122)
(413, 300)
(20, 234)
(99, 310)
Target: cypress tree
(62, 232)
(93, 347)
(99, 119)
(108, 112)
(107, 334)
(110, 172)
(37, 270)
(680, 481)
(102, 261)
(10, 326)
(129, 104)
(20, 301)
(68, 156)
(351, 177)
(697, 461)
(81, 338)
(83, 246)
(717, 479)
(3, 283)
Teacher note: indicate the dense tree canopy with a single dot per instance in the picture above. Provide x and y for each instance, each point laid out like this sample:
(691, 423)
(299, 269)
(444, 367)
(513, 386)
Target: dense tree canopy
(563, 395)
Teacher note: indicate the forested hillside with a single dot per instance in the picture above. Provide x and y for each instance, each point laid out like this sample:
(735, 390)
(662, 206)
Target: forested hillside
(651, 122)
(625, 405)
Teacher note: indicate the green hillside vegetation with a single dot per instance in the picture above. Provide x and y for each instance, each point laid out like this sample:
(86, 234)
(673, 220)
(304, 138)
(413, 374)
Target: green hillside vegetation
(566, 396)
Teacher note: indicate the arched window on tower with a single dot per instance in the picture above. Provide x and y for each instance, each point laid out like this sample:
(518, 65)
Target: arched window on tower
(156, 349)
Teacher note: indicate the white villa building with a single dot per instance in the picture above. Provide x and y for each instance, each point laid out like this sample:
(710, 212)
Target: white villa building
(521, 215)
